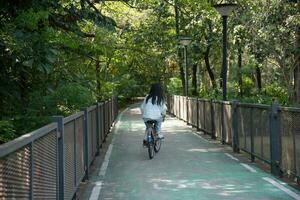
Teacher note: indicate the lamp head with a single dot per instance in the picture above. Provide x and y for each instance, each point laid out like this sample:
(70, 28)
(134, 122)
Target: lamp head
(225, 9)
(185, 41)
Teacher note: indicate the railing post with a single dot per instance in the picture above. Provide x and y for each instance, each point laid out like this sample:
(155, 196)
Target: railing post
(61, 156)
(223, 126)
(187, 110)
(204, 117)
(213, 128)
(197, 114)
(251, 135)
(86, 142)
(275, 147)
(235, 133)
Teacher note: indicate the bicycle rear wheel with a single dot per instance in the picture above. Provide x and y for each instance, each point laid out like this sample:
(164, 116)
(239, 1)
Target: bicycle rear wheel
(157, 145)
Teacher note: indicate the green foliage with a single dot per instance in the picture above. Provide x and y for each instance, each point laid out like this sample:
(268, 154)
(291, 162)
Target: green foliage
(174, 86)
(59, 56)
(69, 98)
(7, 131)
(276, 91)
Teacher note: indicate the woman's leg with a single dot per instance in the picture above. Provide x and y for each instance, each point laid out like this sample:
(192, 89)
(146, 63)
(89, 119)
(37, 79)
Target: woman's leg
(157, 127)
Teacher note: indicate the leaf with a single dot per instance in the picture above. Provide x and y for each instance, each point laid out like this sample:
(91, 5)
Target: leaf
(51, 58)
(28, 63)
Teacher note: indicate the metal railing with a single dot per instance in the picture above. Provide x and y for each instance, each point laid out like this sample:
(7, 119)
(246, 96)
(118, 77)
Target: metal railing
(50, 163)
(270, 133)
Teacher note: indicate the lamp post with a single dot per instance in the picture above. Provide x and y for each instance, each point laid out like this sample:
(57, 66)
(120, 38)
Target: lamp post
(224, 10)
(185, 41)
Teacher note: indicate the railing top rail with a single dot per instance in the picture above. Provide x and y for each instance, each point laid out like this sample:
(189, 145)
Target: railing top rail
(73, 117)
(192, 98)
(291, 109)
(91, 108)
(26, 139)
(253, 105)
(206, 100)
(222, 102)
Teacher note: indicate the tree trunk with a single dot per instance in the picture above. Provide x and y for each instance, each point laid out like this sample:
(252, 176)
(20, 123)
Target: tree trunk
(240, 77)
(258, 77)
(194, 79)
(98, 86)
(208, 68)
(23, 86)
(297, 64)
(179, 57)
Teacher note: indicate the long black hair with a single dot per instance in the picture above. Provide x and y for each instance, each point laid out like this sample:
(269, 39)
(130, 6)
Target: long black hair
(156, 93)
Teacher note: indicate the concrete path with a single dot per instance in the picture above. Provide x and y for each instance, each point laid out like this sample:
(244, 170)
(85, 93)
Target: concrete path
(187, 167)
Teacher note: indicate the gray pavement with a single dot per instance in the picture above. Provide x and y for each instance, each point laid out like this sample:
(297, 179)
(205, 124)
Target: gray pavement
(188, 166)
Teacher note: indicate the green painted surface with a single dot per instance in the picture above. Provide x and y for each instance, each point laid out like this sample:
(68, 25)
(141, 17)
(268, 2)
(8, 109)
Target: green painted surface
(187, 167)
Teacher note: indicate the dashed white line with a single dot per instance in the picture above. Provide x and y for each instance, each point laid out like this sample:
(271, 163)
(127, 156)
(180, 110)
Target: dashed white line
(231, 156)
(98, 185)
(201, 137)
(249, 168)
(106, 161)
(96, 191)
(286, 190)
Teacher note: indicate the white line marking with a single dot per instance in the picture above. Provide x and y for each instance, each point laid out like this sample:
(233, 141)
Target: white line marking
(96, 191)
(98, 185)
(249, 168)
(201, 137)
(231, 156)
(286, 190)
(106, 161)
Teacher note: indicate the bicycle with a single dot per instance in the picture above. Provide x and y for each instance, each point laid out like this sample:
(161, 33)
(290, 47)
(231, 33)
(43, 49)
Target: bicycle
(153, 142)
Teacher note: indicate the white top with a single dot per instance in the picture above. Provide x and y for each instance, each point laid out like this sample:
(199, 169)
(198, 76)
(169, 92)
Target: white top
(150, 111)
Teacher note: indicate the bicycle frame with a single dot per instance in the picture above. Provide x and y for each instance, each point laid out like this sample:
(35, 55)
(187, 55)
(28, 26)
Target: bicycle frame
(153, 142)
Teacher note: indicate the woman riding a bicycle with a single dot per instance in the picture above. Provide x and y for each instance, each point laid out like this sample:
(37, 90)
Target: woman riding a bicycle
(154, 108)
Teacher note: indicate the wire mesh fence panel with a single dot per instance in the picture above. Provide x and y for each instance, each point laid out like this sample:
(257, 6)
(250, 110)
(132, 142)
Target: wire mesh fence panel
(245, 122)
(190, 110)
(261, 132)
(297, 150)
(94, 130)
(241, 127)
(91, 137)
(201, 110)
(181, 108)
(218, 119)
(69, 149)
(194, 112)
(178, 106)
(184, 108)
(265, 121)
(79, 149)
(289, 131)
(106, 118)
(207, 116)
(44, 167)
(172, 104)
(14, 175)
(228, 123)
(102, 126)
(257, 132)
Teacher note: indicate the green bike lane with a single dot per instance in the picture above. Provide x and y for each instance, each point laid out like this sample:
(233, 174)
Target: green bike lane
(188, 166)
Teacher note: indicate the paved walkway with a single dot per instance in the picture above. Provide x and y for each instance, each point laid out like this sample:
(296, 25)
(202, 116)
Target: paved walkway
(187, 167)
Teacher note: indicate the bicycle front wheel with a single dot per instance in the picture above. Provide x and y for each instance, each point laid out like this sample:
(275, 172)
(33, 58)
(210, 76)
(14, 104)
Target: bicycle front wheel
(151, 150)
